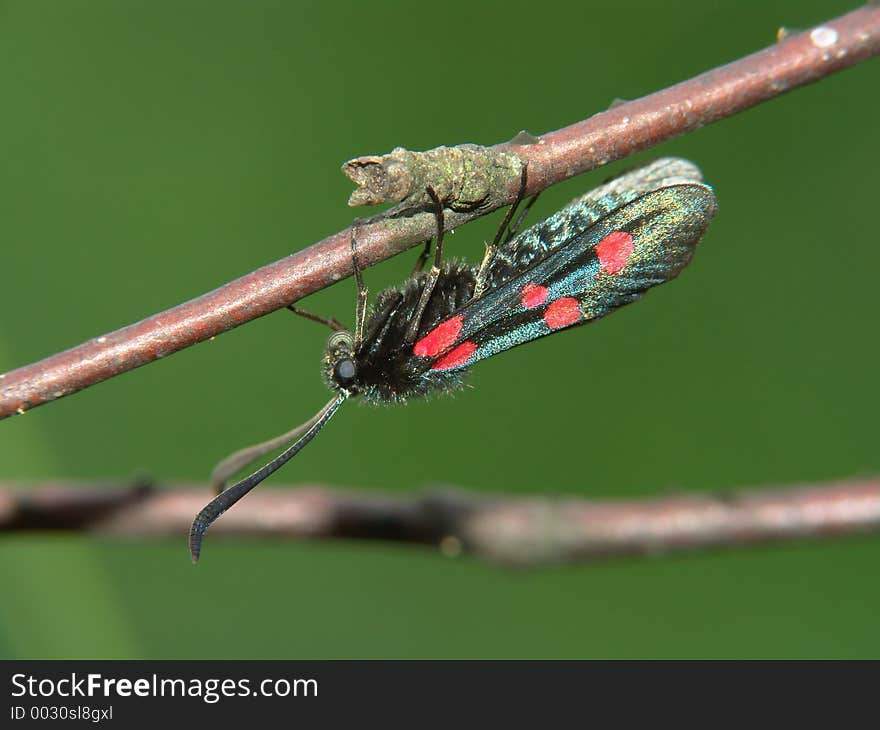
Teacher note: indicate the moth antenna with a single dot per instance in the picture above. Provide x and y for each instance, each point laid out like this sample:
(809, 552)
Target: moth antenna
(226, 499)
(238, 460)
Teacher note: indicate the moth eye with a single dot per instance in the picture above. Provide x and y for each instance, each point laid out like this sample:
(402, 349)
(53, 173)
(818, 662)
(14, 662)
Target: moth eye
(344, 371)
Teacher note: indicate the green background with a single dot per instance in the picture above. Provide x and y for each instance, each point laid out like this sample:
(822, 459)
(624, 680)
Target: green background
(151, 151)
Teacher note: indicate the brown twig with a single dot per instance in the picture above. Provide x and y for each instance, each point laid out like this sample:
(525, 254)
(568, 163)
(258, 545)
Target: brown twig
(610, 135)
(511, 531)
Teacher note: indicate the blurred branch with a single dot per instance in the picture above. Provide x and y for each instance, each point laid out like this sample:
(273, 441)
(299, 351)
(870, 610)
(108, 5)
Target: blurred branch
(509, 530)
(620, 131)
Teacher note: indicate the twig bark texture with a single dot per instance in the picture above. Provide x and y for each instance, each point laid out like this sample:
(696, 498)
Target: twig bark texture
(510, 531)
(610, 135)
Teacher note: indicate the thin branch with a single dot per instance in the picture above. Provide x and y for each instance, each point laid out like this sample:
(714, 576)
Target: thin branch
(507, 530)
(610, 135)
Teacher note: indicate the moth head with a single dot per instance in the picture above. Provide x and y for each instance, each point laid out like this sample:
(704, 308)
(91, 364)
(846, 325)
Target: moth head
(340, 365)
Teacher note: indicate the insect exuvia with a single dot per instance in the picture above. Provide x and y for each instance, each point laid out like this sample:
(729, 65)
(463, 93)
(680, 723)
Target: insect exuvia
(602, 251)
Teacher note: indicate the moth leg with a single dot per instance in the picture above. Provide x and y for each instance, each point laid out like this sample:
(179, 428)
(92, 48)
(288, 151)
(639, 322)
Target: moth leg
(361, 309)
(514, 229)
(492, 248)
(331, 322)
(433, 273)
(420, 261)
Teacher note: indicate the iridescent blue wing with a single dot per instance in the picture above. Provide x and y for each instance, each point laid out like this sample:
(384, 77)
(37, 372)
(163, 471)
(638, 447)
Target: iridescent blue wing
(578, 216)
(603, 251)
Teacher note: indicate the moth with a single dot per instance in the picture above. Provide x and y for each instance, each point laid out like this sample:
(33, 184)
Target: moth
(602, 251)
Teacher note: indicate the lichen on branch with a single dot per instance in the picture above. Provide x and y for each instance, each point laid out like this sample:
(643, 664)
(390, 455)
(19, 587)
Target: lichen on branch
(466, 177)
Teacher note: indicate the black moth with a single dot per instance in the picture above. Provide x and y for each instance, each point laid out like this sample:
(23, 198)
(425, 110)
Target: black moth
(602, 251)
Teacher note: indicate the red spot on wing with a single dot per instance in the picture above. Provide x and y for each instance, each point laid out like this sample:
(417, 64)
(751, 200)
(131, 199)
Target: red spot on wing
(562, 312)
(614, 251)
(533, 295)
(440, 338)
(459, 356)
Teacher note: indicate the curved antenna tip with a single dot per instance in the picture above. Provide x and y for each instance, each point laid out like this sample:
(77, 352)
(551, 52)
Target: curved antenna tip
(229, 497)
(196, 534)
(195, 545)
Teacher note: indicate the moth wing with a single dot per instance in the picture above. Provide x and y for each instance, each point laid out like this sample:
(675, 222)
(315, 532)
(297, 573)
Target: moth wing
(638, 245)
(583, 212)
